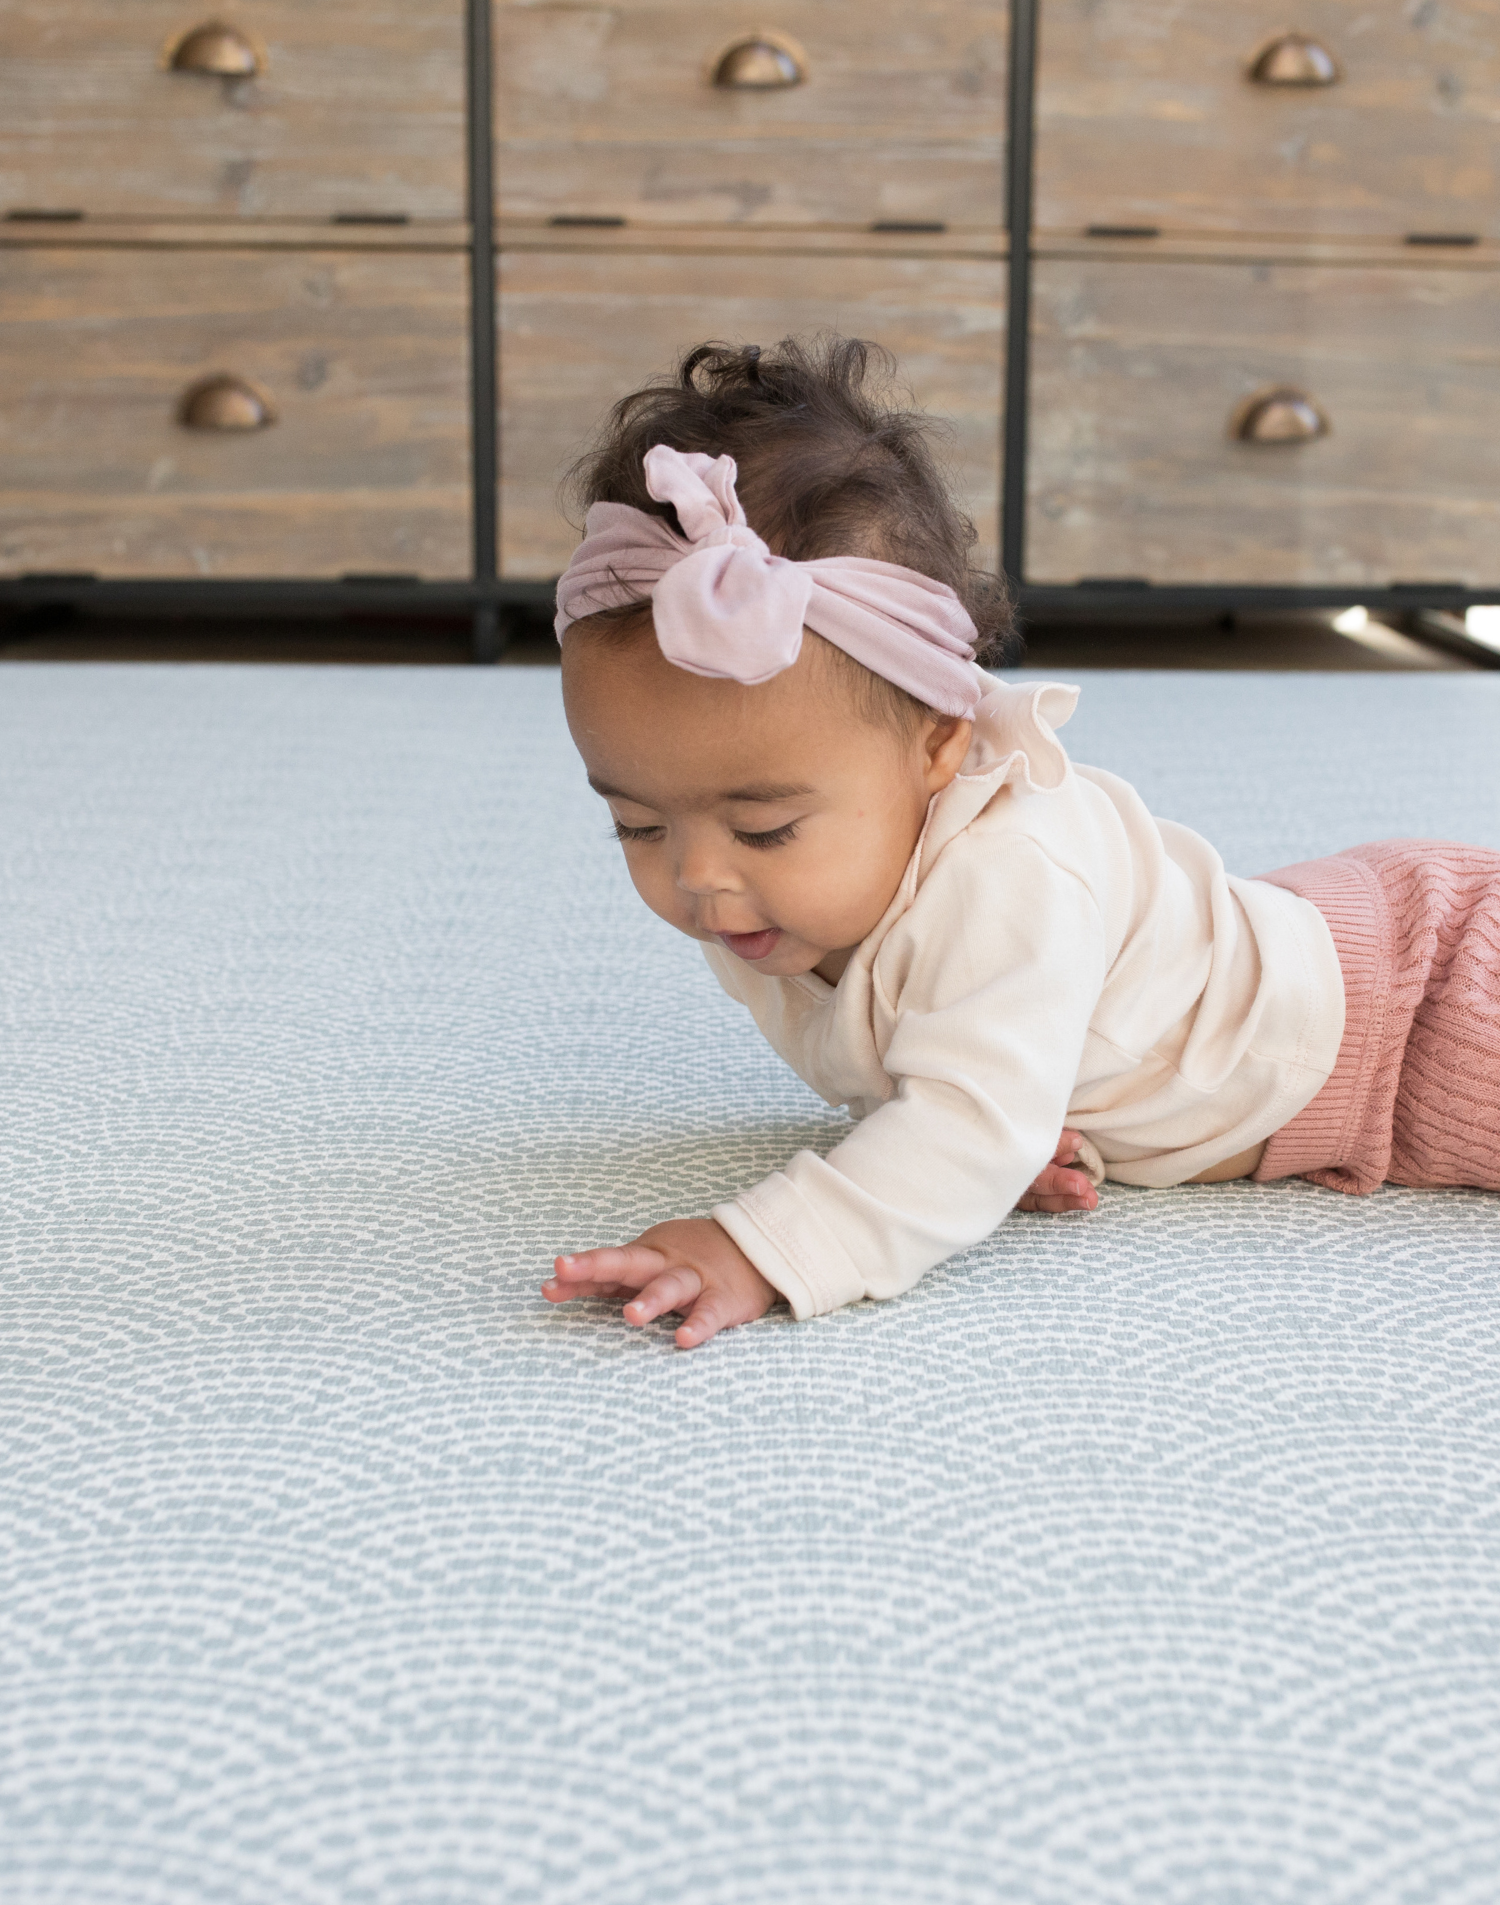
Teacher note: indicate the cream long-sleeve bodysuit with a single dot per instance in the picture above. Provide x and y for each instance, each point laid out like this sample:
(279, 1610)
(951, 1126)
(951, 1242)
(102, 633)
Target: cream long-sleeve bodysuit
(1053, 955)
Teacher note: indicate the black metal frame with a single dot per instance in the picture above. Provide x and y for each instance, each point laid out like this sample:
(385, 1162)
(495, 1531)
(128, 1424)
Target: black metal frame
(1018, 196)
(485, 596)
(484, 337)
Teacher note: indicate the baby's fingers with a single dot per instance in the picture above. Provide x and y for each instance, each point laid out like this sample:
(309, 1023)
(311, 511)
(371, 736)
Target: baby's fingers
(672, 1290)
(556, 1291)
(1054, 1181)
(1058, 1190)
(629, 1265)
(715, 1310)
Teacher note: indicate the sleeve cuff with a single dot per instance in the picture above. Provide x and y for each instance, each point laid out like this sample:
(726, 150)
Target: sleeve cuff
(792, 1247)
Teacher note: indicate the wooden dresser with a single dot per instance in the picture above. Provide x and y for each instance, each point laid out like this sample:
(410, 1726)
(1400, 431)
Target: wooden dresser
(234, 290)
(1278, 359)
(315, 301)
(671, 172)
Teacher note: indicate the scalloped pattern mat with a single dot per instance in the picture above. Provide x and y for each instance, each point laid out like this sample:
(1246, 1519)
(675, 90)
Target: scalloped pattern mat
(1146, 1556)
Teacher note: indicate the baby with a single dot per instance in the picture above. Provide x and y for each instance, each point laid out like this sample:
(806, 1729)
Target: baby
(770, 637)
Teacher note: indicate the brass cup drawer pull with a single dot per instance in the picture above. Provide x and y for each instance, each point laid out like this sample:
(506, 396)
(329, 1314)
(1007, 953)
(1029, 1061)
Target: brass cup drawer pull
(1279, 416)
(225, 403)
(1295, 59)
(761, 62)
(219, 51)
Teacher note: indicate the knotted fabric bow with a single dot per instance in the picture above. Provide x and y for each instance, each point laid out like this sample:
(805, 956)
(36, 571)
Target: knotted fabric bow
(724, 606)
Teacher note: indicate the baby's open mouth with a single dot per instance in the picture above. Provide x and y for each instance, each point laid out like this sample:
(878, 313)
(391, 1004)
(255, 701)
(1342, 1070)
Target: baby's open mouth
(752, 946)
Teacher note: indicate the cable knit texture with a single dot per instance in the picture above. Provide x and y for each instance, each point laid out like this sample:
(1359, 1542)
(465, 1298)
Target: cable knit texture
(1414, 1097)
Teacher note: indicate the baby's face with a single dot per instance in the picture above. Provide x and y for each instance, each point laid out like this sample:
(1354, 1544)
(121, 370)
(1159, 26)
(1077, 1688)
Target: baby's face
(775, 819)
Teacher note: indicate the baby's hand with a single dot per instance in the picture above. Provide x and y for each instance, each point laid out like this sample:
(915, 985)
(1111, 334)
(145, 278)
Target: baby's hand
(691, 1265)
(1056, 1188)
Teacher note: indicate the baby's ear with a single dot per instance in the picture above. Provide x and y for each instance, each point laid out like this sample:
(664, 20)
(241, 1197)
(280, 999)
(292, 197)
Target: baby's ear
(947, 740)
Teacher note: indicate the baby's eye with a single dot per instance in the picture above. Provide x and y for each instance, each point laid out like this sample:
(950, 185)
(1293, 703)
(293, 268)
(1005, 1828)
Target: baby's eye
(622, 832)
(777, 837)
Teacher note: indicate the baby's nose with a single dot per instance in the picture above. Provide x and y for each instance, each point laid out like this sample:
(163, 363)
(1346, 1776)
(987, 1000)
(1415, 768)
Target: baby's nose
(703, 874)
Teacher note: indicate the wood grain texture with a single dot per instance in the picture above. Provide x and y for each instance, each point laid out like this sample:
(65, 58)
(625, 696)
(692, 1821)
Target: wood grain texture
(1237, 248)
(365, 359)
(238, 234)
(1146, 116)
(609, 110)
(750, 240)
(578, 331)
(360, 109)
(1138, 369)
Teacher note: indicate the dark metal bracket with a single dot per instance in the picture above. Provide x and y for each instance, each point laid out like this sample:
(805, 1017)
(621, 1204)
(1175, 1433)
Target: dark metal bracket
(493, 597)
(1445, 629)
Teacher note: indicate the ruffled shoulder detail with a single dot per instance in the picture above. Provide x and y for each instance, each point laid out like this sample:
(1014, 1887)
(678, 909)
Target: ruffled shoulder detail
(1015, 736)
(1015, 745)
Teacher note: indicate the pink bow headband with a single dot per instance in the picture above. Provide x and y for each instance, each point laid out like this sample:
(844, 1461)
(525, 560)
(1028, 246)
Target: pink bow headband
(723, 605)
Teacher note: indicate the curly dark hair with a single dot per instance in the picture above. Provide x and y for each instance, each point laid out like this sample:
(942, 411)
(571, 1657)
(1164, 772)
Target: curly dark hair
(830, 464)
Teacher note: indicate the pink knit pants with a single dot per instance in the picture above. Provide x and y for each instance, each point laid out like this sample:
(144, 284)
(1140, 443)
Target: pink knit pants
(1415, 1093)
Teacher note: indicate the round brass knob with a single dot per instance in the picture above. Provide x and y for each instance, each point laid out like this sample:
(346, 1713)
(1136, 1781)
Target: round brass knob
(1281, 415)
(760, 63)
(1295, 59)
(225, 403)
(221, 51)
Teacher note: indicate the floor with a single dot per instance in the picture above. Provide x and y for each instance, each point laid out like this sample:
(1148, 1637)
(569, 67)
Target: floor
(1147, 1557)
(1298, 642)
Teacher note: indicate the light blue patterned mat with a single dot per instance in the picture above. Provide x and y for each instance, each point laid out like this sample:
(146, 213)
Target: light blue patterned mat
(1151, 1556)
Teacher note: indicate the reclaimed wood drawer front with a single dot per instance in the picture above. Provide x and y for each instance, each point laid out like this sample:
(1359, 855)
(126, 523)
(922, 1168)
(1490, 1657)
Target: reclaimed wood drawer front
(1142, 372)
(361, 358)
(579, 330)
(1147, 115)
(612, 111)
(358, 108)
